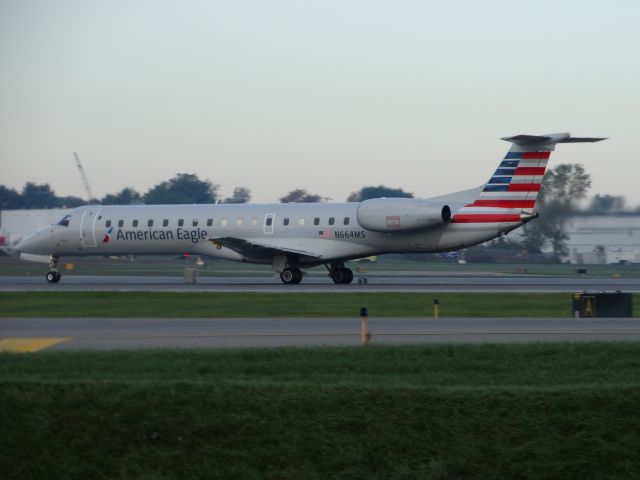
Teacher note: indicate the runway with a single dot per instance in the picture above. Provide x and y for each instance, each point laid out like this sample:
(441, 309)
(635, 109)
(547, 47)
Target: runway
(33, 334)
(310, 284)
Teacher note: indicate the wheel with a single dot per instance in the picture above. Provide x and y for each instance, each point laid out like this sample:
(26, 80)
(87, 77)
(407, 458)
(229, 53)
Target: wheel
(348, 275)
(53, 276)
(337, 275)
(291, 275)
(342, 275)
(298, 275)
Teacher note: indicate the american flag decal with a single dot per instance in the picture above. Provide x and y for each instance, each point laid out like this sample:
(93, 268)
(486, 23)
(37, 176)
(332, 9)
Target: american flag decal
(325, 234)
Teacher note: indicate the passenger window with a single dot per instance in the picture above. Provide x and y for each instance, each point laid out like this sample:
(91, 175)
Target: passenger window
(269, 221)
(108, 223)
(135, 223)
(301, 221)
(209, 222)
(332, 220)
(224, 222)
(149, 223)
(346, 220)
(165, 222)
(181, 222)
(239, 222)
(121, 223)
(195, 222)
(254, 221)
(316, 221)
(285, 221)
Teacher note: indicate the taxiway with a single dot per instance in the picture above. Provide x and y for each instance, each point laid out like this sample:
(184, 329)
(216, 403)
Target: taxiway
(322, 284)
(134, 333)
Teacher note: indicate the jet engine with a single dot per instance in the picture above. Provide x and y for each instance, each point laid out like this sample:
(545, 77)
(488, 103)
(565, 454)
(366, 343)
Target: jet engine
(401, 214)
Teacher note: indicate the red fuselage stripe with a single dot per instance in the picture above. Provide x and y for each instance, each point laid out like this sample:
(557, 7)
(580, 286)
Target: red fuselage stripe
(529, 171)
(485, 218)
(523, 187)
(504, 203)
(535, 155)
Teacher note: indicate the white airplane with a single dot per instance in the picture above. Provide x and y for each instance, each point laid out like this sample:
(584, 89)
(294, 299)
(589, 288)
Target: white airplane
(293, 236)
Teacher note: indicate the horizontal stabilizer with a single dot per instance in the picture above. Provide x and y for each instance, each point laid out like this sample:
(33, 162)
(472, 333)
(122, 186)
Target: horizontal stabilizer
(582, 139)
(524, 139)
(551, 138)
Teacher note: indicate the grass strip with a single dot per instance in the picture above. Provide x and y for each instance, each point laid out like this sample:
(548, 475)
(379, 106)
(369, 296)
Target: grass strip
(544, 365)
(217, 304)
(442, 412)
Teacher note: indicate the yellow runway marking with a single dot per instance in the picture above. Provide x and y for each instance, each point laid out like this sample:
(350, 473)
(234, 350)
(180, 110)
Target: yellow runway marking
(24, 345)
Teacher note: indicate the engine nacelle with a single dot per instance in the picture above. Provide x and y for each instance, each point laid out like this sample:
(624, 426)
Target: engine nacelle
(401, 214)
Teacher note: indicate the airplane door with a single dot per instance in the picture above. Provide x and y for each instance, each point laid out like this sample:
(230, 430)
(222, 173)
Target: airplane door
(87, 227)
(269, 218)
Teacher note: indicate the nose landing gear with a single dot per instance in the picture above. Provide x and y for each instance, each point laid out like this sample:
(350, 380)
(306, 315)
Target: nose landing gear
(53, 276)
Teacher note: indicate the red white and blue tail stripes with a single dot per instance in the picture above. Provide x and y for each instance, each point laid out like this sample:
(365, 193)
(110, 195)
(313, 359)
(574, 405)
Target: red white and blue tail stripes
(511, 192)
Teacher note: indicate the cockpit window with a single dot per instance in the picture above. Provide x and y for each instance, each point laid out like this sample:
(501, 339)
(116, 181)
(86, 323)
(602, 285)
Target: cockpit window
(64, 221)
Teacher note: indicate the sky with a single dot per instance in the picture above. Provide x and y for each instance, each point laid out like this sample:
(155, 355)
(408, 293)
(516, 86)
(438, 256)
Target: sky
(324, 95)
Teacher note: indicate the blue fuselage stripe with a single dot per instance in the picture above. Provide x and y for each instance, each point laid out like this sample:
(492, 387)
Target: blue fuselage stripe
(495, 188)
(509, 163)
(500, 180)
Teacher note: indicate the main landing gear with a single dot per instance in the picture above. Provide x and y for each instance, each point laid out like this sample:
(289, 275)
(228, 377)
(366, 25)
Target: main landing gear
(340, 274)
(291, 275)
(53, 276)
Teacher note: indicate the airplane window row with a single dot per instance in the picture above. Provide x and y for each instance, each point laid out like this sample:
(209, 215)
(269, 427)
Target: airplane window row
(165, 223)
(224, 222)
(316, 221)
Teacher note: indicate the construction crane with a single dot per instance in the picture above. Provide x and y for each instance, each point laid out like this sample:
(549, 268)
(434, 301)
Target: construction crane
(83, 175)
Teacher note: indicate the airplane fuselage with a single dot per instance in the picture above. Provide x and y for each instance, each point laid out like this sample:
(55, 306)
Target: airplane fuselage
(330, 230)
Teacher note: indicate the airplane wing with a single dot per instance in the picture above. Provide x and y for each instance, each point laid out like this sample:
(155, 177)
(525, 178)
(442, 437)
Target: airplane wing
(253, 247)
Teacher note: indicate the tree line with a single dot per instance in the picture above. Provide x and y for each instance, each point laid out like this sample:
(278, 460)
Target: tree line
(184, 188)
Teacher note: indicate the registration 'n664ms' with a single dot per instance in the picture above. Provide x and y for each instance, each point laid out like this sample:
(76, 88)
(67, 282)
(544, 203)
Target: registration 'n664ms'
(344, 234)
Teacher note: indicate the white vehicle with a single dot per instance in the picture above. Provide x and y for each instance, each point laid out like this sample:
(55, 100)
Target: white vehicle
(294, 236)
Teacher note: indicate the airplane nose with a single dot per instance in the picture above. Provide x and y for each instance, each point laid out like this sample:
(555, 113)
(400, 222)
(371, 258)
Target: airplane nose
(35, 243)
(25, 243)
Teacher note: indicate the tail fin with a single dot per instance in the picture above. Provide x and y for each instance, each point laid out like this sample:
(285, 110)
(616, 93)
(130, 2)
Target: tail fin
(510, 194)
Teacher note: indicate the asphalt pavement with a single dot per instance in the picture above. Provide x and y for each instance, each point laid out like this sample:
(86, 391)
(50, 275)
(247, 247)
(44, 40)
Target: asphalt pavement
(32, 334)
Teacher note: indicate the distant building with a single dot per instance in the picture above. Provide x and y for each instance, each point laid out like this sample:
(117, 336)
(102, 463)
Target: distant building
(603, 238)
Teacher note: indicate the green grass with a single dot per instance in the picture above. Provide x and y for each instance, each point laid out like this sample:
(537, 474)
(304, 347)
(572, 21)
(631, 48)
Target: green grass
(217, 304)
(500, 366)
(443, 412)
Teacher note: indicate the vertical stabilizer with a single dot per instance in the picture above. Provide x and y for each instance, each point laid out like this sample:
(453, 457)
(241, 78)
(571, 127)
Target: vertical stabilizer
(510, 194)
